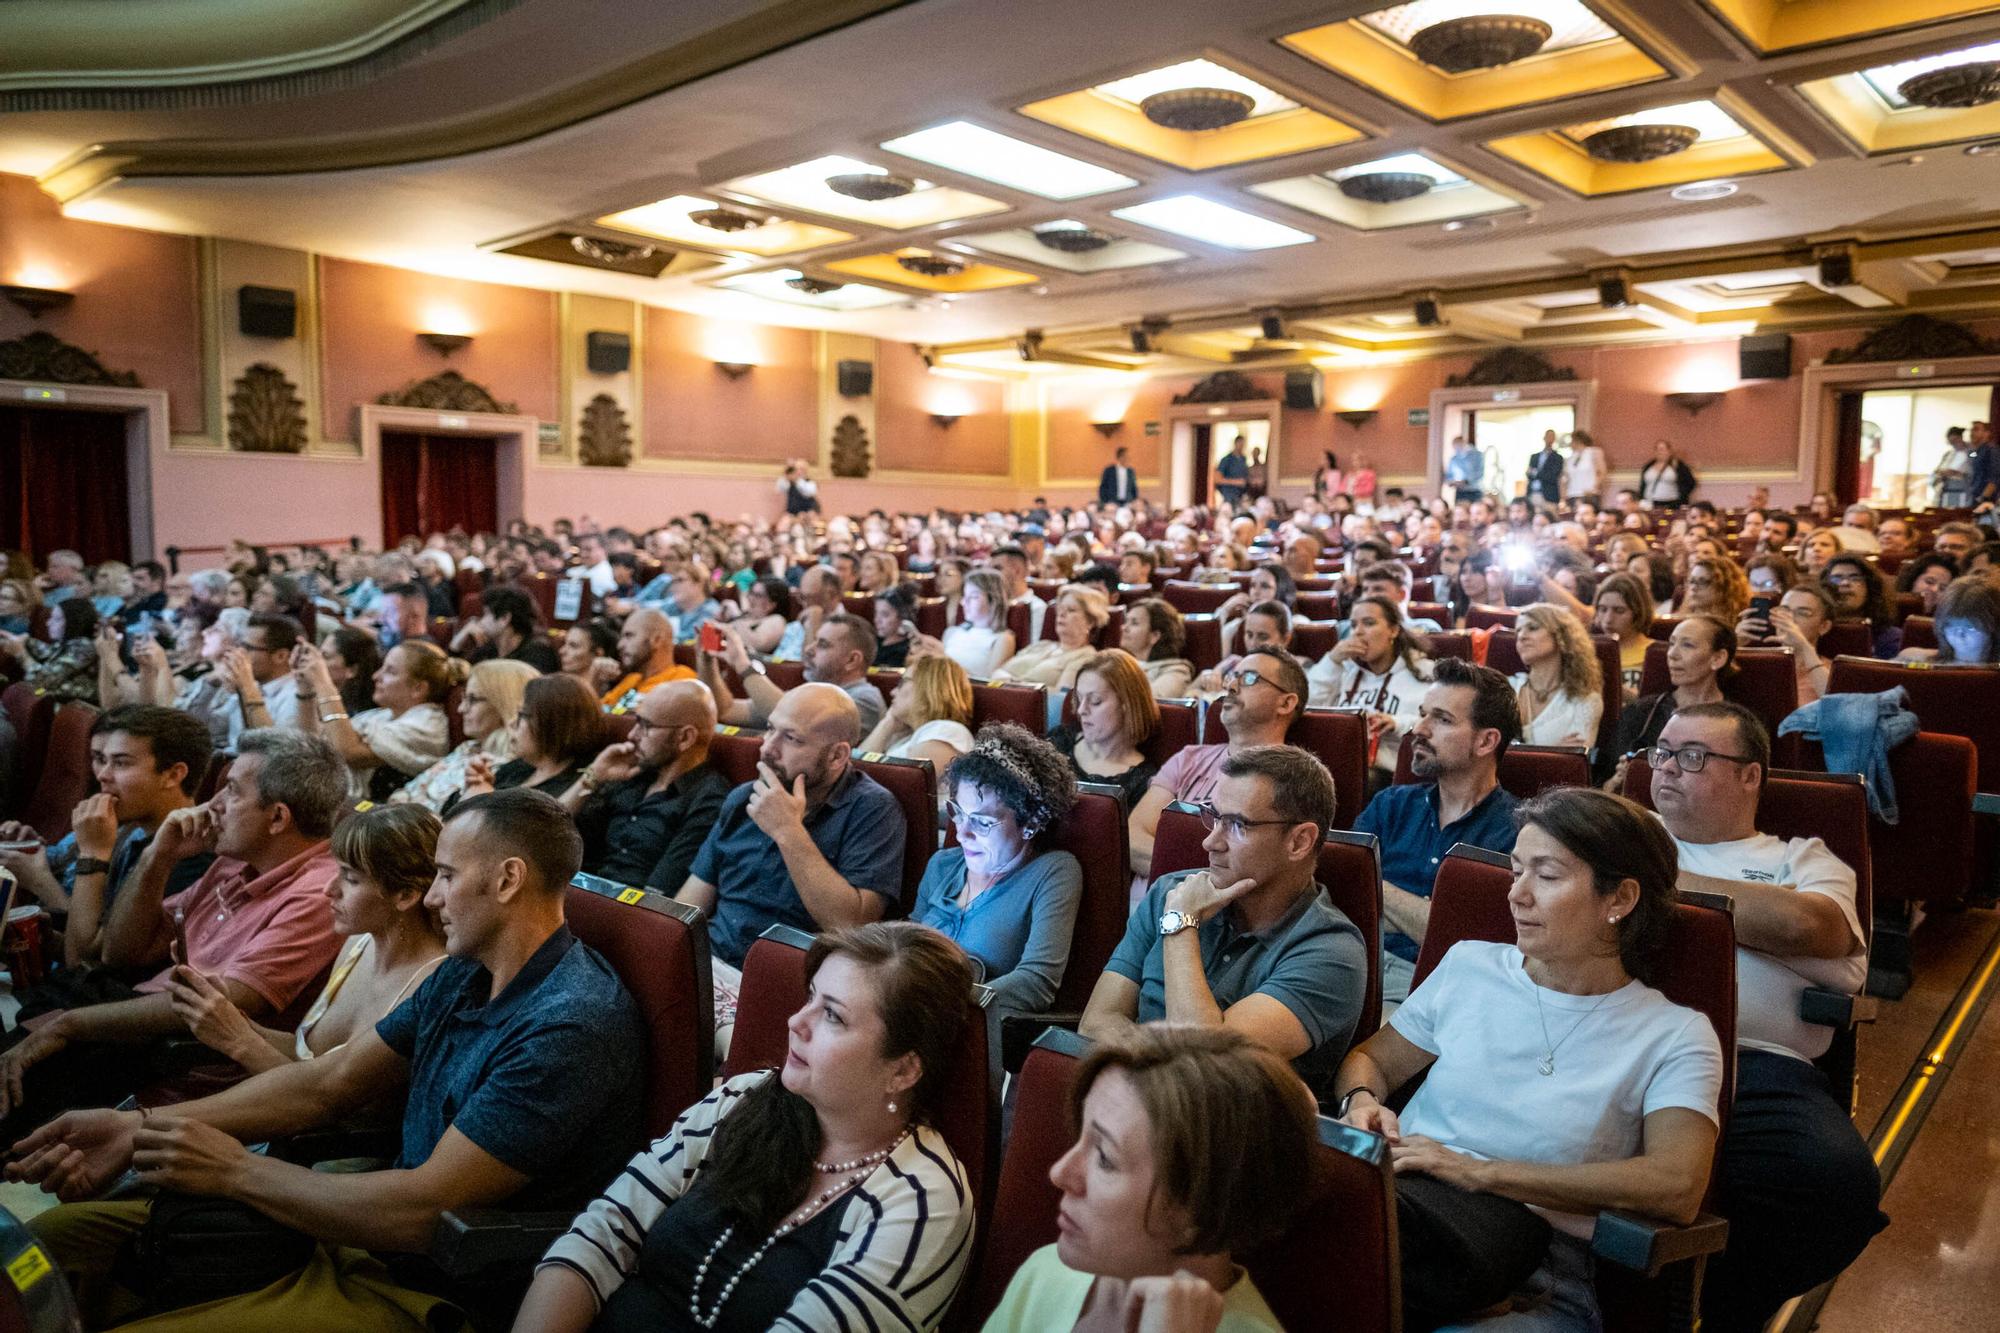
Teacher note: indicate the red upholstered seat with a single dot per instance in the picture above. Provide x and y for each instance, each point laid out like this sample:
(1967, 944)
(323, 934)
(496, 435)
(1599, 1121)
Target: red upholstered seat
(1434, 611)
(1314, 639)
(1852, 637)
(1017, 623)
(1766, 682)
(734, 754)
(1192, 598)
(1095, 835)
(65, 776)
(1339, 737)
(1952, 700)
(913, 782)
(773, 989)
(1023, 705)
(213, 776)
(659, 948)
(1317, 606)
(858, 604)
(1490, 617)
(30, 712)
(1918, 632)
(454, 716)
(1451, 643)
(1204, 640)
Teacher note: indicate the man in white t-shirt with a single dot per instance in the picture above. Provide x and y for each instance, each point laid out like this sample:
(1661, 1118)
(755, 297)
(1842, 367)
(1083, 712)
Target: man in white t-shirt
(1794, 1178)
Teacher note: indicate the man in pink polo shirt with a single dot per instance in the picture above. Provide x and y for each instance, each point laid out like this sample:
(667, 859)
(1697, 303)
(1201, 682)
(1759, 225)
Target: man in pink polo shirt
(258, 923)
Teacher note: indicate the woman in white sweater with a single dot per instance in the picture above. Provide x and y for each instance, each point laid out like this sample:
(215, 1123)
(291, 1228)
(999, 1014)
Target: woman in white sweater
(1562, 691)
(980, 641)
(1381, 668)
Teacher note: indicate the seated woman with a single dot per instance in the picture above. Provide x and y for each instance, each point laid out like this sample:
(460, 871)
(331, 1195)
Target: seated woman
(952, 571)
(895, 625)
(1624, 610)
(62, 663)
(1156, 636)
(1265, 625)
(1116, 714)
(18, 600)
(558, 731)
(979, 639)
(1927, 575)
(352, 659)
(589, 652)
(816, 1196)
(405, 733)
(1004, 894)
(492, 700)
(1815, 549)
(1559, 1083)
(1770, 575)
(1797, 621)
(1701, 654)
(1080, 611)
(767, 606)
(1715, 587)
(387, 859)
(1188, 1141)
(1968, 623)
(929, 716)
(1860, 593)
(1381, 668)
(1269, 582)
(1561, 694)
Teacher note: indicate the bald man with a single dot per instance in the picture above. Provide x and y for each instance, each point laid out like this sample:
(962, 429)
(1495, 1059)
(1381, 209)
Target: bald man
(814, 842)
(645, 805)
(646, 651)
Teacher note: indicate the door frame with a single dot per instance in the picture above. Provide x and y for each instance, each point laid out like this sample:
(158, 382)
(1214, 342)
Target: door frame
(1819, 414)
(1181, 420)
(1450, 406)
(146, 439)
(514, 444)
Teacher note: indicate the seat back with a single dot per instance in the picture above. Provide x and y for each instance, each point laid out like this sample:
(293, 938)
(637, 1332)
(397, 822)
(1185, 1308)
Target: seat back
(1451, 643)
(1766, 682)
(1927, 855)
(1180, 727)
(1023, 705)
(1854, 638)
(1490, 617)
(1314, 639)
(1340, 739)
(1204, 640)
(1019, 623)
(213, 776)
(65, 776)
(1437, 612)
(1095, 834)
(913, 782)
(1918, 632)
(1950, 700)
(1196, 598)
(30, 711)
(734, 753)
(1526, 771)
(659, 949)
(772, 990)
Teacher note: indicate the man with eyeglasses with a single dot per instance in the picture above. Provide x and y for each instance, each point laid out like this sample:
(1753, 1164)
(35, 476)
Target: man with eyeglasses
(257, 673)
(1468, 718)
(1794, 1178)
(645, 805)
(1252, 943)
(1260, 698)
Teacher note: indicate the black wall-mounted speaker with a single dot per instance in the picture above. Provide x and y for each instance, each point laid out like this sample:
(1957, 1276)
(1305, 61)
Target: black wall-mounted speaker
(1304, 388)
(1836, 269)
(855, 379)
(1612, 293)
(267, 312)
(1764, 356)
(607, 353)
(1428, 315)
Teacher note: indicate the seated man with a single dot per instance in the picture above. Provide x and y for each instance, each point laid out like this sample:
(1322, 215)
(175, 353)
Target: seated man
(507, 626)
(1392, 579)
(258, 923)
(814, 842)
(645, 806)
(840, 652)
(1467, 720)
(646, 651)
(523, 1057)
(1252, 943)
(688, 604)
(1260, 698)
(819, 597)
(147, 761)
(1793, 1176)
(252, 684)
(402, 615)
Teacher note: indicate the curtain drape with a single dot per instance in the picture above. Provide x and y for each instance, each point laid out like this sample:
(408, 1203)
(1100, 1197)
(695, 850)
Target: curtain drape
(1847, 451)
(63, 484)
(434, 483)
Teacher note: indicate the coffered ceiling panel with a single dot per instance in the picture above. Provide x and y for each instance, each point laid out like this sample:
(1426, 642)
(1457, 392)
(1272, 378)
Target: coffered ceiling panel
(843, 187)
(1773, 26)
(1943, 97)
(1644, 150)
(1406, 190)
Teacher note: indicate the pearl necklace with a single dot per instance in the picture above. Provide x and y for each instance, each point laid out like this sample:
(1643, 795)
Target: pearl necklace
(785, 1228)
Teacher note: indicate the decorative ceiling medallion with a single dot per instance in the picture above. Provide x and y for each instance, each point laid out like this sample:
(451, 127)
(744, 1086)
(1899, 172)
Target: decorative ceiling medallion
(725, 219)
(931, 266)
(1385, 187)
(870, 186)
(601, 251)
(1073, 240)
(1479, 41)
(1197, 108)
(813, 286)
(1640, 143)
(1955, 86)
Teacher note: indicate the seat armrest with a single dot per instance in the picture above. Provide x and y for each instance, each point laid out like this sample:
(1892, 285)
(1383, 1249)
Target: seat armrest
(1018, 1033)
(471, 1242)
(1986, 803)
(338, 1144)
(1644, 1245)
(1835, 1009)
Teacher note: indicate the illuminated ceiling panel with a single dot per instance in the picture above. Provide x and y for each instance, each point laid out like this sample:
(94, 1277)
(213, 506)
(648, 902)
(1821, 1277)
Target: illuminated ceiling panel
(1868, 107)
(1074, 247)
(778, 285)
(974, 150)
(740, 230)
(932, 271)
(1388, 192)
(1790, 24)
(805, 187)
(1724, 145)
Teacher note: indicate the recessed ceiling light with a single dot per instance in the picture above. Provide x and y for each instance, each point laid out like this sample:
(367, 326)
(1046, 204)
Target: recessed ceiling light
(1202, 219)
(1700, 191)
(1196, 74)
(990, 155)
(1471, 224)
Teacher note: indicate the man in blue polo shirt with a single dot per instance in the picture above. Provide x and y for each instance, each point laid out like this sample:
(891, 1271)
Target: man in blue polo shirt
(1466, 722)
(814, 842)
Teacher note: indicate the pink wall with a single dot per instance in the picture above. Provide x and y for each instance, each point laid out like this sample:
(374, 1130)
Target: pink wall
(646, 498)
(207, 499)
(371, 316)
(694, 410)
(907, 440)
(1077, 449)
(135, 307)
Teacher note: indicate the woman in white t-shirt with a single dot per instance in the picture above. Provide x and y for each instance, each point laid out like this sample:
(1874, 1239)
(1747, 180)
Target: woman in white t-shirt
(1380, 667)
(404, 735)
(1561, 694)
(1556, 1077)
(980, 641)
(1586, 468)
(928, 715)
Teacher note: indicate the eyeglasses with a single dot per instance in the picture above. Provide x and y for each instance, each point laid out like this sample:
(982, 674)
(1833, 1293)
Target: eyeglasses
(1844, 576)
(978, 823)
(1691, 758)
(1238, 679)
(1235, 826)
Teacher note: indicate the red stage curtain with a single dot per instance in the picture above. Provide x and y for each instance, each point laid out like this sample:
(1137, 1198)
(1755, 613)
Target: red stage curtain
(63, 483)
(434, 483)
(1847, 451)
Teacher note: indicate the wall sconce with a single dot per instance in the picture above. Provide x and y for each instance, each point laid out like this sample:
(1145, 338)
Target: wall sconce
(1358, 417)
(736, 370)
(37, 301)
(945, 420)
(1107, 428)
(1693, 403)
(444, 344)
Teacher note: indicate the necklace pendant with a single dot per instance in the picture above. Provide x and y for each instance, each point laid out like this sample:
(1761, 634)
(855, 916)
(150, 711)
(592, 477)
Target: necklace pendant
(1547, 1066)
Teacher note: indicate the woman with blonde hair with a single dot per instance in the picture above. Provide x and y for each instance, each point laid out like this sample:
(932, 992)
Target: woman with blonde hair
(1561, 691)
(1116, 714)
(492, 700)
(979, 641)
(929, 715)
(1080, 611)
(18, 600)
(405, 733)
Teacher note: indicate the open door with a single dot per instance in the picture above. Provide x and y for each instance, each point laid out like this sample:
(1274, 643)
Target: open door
(434, 483)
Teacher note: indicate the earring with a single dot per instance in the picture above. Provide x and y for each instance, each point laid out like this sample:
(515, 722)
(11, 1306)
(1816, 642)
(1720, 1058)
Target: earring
(892, 1108)
(1611, 920)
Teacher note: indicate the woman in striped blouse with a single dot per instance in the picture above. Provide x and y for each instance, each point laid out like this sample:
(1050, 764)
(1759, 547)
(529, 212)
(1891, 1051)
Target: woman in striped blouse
(815, 1198)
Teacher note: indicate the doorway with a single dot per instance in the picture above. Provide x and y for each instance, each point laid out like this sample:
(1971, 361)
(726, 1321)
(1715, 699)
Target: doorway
(435, 483)
(1211, 439)
(1509, 436)
(65, 476)
(1900, 442)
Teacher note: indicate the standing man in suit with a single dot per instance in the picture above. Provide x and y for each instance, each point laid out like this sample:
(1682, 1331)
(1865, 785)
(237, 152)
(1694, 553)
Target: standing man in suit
(1118, 484)
(1545, 472)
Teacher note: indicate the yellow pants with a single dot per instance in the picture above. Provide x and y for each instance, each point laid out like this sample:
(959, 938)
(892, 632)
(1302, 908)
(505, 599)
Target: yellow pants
(340, 1290)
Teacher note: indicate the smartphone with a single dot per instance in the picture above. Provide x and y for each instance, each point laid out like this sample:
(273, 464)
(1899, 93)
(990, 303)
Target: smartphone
(180, 936)
(1762, 606)
(711, 637)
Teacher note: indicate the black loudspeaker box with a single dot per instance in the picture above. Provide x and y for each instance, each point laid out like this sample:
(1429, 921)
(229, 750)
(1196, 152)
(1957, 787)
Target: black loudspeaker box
(1764, 356)
(267, 312)
(1304, 388)
(856, 379)
(1428, 315)
(607, 353)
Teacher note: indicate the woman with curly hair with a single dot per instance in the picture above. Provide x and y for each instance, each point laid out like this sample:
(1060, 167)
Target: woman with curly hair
(1561, 691)
(1861, 593)
(1716, 586)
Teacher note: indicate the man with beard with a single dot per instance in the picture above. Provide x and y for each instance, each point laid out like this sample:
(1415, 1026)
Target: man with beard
(1466, 722)
(813, 842)
(839, 653)
(645, 805)
(646, 651)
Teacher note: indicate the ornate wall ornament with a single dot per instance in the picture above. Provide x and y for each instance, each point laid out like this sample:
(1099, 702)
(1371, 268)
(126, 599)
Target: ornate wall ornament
(1509, 365)
(46, 359)
(266, 415)
(1912, 338)
(448, 391)
(850, 449)
(1224, 386)
(604, 437)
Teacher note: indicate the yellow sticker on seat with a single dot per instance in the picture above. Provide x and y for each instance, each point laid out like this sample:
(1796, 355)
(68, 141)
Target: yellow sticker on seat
(29, 1267)
(630, 895)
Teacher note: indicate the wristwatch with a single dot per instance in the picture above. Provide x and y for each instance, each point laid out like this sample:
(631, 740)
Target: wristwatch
(1173, 922)
(757, 668)
(1340, 1111)
(91, 865)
